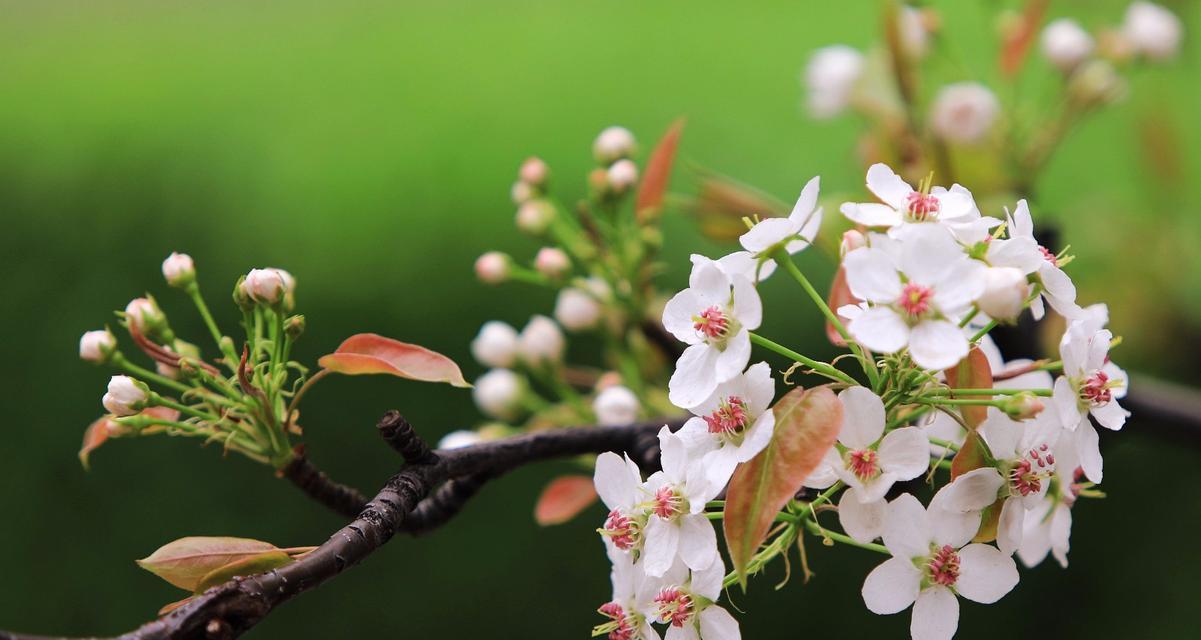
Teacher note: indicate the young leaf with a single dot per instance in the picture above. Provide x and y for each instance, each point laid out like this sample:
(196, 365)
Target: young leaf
(248, 566)
(807, 424)
(658, 174)
(723, 202)
(563, 499)
(972, 372)
(368, 353)
(94, 436)
(186, 561)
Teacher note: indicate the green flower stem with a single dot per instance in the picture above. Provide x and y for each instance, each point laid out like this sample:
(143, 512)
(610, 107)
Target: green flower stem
(947, 391)
(193, 291)
(183, 408)
(807, 508)
(910, 417)
(983, 331)
(775, 548)
(820, 367)
(945, 444)
(817, 530)
(121, 362)
(962, 401)
(969, 316)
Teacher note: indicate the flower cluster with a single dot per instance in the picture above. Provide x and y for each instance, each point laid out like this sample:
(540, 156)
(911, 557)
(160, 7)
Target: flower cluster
(1006, 447)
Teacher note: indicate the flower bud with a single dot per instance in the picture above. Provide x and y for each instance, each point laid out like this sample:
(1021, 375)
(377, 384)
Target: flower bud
(616, 406)
(498, 393)
(622, 175)
(1066, 44)
(535, 216)
(1095, 83)
(144, 315)
(830, 78)
(851, 239)
(1152, 30)
(964, 112)
(552, 262)
(492, 267)
(521, 192)
(1005, 293)
(541, 341)
(179, 270)
(459, 439)
(126, 396)
(294, 326)
(577, 310)
(97, 346)
(916, 26)
(267, 286)
(534, 172)
(168, 371)
(1023, 406)
(495, 345)
(613, 144)
(608, 379)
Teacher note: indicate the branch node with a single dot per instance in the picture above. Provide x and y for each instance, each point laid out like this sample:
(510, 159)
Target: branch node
(401, 436)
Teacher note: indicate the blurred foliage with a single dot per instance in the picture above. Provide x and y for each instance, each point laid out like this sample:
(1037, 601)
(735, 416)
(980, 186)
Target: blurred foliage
(368, 147)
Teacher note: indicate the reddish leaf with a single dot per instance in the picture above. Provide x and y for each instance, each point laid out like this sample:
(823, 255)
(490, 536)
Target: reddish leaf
(368, 353)
(186, 561)
(94, 436)
(972, 372)
(658, 173)
(1016, 42)
(248, 566)
(972, 455)
(563, 499)
(807, 424)
(723, 202)
(990, 519)
(840, 296)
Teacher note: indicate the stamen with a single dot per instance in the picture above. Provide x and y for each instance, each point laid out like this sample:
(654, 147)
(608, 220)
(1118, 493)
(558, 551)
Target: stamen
(624, 531)
(864, 463)
(1048, 256)
(1097, 390)
(668, 502)
(622, 627)
(1027, 476)
(712, 323)
(915, 300)
(943, 566)
(921, 206)
(730, 417)
(675, 606)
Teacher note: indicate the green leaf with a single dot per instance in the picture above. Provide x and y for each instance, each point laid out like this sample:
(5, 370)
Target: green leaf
(185, 562)
(368, 353)
(807, 424)
(563, 499)
(252, 565)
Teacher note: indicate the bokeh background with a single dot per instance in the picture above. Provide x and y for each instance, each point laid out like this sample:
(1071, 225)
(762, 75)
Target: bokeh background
(369, 147)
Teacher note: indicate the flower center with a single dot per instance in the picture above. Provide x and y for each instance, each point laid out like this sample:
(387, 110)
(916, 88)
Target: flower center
(1048, 256)
(1097, 389)
(1027, 476)
(675, 606)
(624, 531)
(668, 502)
(712, 323)
(864, 463)
(921, 206)
(620, 626)
(730, 417)
(942, 568)
(915, 300)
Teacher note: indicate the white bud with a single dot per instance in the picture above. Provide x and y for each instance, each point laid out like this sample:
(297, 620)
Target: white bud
(851, 239)
(1152, 30)
(915, 36)
(97, 346)
(533, 172)
(495, 345)
(576, 310)
(830, 78)
(622, 175)
(964, 112)
(1066, 44)
(616, 406)
(179, 270)
(266, 286)
(492, 267)
(459, 439)
(552, 262)
(498, 393)
(1004, 294)
(613, 144)
(125, 396)
(1095, 83)
(521, 192)
(534, 216)
(541, 341)
(143, 314)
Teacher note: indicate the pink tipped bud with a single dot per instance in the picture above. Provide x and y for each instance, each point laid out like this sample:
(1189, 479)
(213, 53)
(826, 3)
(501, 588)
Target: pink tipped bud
(1066, 44)
(622, 175)
(1005, 293)
(534, 172)
(144, 315)
(97, 346)
(1024, 406)
(521, 193)
(552, 263)
(1154, 31)
(541, 342)
(613, 144)
(576, 310)
(492, 267)
(616, 406)
(535, 216)
(267, 286)
(179, 270)
(126, 396)
(852, 240)
(495, 345)
(498, 393)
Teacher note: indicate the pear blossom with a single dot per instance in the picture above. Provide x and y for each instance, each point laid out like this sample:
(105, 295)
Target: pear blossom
(1091, 383)
(495, 345)
(619, 485)
(714, 316)
(1152, 30)
(687, 603)
(633, 606)
(1047, 527)
(677, 523)
(931, 564)
(1026, 464)
(1005, 293)
(126, 396)
(615, 406)
(498, 393)
(957, 504)
(1066, 44)
(830, 78)
(861, 458)
(917, 294)
(1022, 251)
(901, 205)
(964, 112)
(97, 346)
(541, 342)
(793, 233)
(742, 263)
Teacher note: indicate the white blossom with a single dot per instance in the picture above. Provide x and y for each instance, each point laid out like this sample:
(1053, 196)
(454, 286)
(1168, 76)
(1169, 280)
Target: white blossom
(1090, 384)
(677, 523)
(794, 233)
(964, 112)
(1152, 30)
(541, 342)
(619, 485)
(1005, 293)
(495, 345)
(686, 602)
(633, 606)
(1022, 251)
(615, 406)
(498, 393)
(901, 205)
(1066, 44)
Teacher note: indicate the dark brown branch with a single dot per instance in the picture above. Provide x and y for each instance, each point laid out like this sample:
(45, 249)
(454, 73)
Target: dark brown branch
(342, 499)
(399, 435)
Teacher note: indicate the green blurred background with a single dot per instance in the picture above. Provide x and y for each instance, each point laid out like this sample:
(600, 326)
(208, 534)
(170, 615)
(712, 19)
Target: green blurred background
(368, 147)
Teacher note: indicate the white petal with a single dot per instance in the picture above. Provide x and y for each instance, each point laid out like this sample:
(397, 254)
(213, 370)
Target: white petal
(935, 615)
(767, 233)
(1001, 434)
(892, 586)
(1036, 538)
(760, 388)
(825, 475)
(972, 491)
(709, 280)
(929, 253)
(698, 542)
(880, 329)
(957, 290)
(870, 214)
(862, 418)
(673, 454)
(1067, 403)
(719, 467)
(614, 483)
(733, 359)
(863, 522)
(696, 437)
(985, 574)
(686, 632)
(905, 453)
(872, 275)
(747, 305)
(707, 582)
(695, 376)
(1060, 532)
(1009, 527)
(1110, 415)
(806, 202)
(678, 313)
(1088, 449)
(937, 344)
(757, 437)
(907, 528)
(718, 624)
(888, 186)
(662, 539)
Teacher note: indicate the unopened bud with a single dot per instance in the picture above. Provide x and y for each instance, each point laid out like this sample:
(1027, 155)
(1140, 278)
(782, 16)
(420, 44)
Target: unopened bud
(613, 144)
(1023, 406)
(521, 192)
(1066, 44)
(851, 240)
(126, 396)
(294, 326)
(493, 267)
(535, 216)
(1152, 30)
(267, 286)
(144, 315)
(622, 175)
(534, 172)
(495, 345)
(460, 439)
(1095, 83)
(541, 341)
(179, 270)
(576, 310)
(830, 78)
(1005, 293)
(616, 406)
(97, 346)
(168, 371)
(498, 393)
(608, 379)
(552, 262)
(964, 112)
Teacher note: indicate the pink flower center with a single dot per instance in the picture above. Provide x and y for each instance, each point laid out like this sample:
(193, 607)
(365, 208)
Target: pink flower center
(864, 463)
(943, 566)
(621, 627)
(675, 606)
(729, 418)
(668, 502)
(1027, 476)
(921, 206)
(712, 323)
(1048, 256)
(915, 300)
(1096, 389)
(623, 530)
